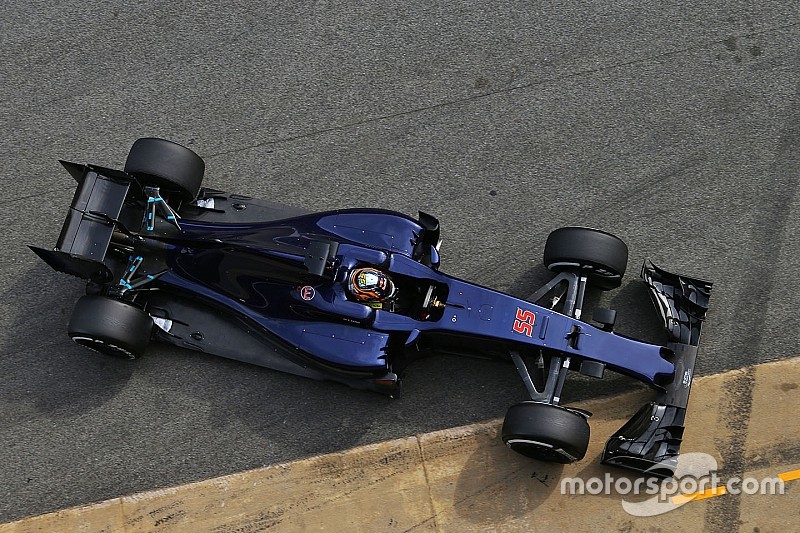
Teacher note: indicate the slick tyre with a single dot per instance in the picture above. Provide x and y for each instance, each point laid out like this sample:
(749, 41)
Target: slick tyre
(175, 169)
(600, 256)
(111, 327)
(546, 432)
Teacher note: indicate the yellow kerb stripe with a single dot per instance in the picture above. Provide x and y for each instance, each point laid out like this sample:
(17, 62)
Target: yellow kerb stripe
(719, 491)
(694, 496)
(788, 476)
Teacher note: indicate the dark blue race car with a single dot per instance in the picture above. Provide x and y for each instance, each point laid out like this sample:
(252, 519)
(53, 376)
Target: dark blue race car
(355, 295)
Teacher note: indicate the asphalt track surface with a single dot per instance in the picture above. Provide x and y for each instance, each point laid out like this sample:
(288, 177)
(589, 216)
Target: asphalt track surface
(675, 127)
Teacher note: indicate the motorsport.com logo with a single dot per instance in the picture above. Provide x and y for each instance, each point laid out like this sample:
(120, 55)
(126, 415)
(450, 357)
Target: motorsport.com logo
(695, 478)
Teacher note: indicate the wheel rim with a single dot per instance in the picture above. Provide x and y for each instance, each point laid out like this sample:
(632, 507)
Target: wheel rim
(590, 269)
(540, 450)
(105, 348)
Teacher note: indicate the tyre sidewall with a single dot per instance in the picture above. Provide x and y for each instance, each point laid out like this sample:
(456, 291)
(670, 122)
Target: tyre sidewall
(99, 322)
(592, 250)
(168, 165)
(549, 424)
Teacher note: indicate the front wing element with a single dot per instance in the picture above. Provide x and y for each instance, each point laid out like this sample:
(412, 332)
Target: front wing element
(650, 441)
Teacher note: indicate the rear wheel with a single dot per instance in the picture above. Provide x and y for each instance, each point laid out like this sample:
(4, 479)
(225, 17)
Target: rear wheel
(173, 168)
(111, 327)
(546, 432)
(600, 256)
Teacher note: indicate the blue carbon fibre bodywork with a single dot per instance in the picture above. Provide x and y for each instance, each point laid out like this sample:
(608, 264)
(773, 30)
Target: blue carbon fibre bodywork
(472, 304)
(256, 270)
(272, 285)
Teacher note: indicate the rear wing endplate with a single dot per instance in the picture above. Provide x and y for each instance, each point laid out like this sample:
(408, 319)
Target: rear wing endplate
(91, 220)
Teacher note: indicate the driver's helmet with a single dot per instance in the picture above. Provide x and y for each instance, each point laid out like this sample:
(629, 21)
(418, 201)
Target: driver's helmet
(371, 285)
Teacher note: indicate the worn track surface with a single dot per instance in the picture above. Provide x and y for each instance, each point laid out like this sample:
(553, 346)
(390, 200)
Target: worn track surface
(465, 479)
(676, 128)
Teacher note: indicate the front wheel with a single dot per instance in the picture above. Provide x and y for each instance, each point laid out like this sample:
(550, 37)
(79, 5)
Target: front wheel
(546, 432)
(109, 326)
(600, 256)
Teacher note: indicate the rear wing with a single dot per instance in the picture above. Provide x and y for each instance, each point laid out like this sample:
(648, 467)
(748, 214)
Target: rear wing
(91, 220)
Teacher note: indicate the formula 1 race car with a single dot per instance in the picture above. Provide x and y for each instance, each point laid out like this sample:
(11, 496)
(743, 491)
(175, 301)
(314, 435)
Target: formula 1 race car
(355, 295)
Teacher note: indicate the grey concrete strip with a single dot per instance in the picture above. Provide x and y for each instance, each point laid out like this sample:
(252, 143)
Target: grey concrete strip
(465, 479)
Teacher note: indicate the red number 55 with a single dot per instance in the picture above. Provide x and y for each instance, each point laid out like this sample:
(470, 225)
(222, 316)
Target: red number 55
(524, 322)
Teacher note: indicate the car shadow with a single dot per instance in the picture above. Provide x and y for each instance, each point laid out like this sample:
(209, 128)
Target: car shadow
(496, 481)
(42, 369)
(197, 415)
